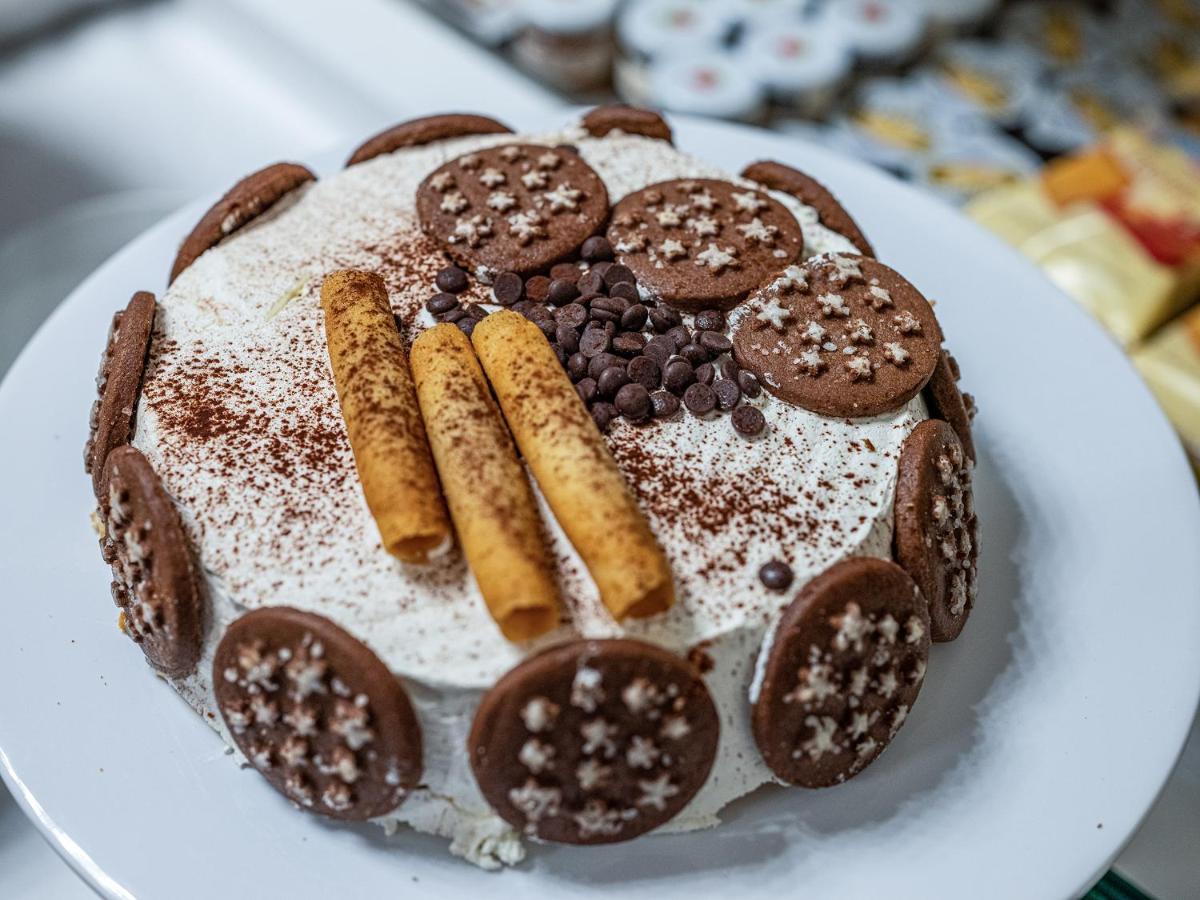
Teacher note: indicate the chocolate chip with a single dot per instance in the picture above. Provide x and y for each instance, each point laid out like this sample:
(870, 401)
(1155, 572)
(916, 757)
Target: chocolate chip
(659, 348)
(728, 368)
(663, 319)
(665, 404)
(710, 320)
(467, 325)
(586, 389)
(454, 315)
(602, 414)
(705, 373)
(614, 305)
(603, 315)
(572, 315)
(601, 267)
(477, 312)
(577, 366)
(452, 280)
(585, 300)
(537, 287)
(749, 384)
(677, 375)
(565, 270)
(567, 338)
(633, 402)
(680, 335)
(699, 399)
(601, 362)
(596, 249)
(562, 291)
(612, 380)
(629, 343)
(634, 318)
(440, 304)
(618, 273)
(728, 394)
(694, 353)
(714, 342)
(644, 371)
(749, 421)
(522, 307)
(626, 290)
(590, 283)
(508, 288)
(546, 323)
(594, 342)
(775, 575)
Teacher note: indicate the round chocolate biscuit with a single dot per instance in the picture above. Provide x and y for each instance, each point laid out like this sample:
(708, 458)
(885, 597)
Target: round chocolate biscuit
(317, 713)
(155, 582)
(946, 401)
(245, 201)
(593, 742)
(119, 383)
(426, 130)
(936, 538)
(810, 192)
(701, 244)
(842, 335)
(516, 208)
(627, 119)
(843, 670)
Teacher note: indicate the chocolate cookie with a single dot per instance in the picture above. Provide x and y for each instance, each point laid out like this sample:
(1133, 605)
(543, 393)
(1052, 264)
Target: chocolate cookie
(118, 384)
(245, 201)
(936, 536)
(517, 208)
(592, 742)
(317, 713)
(155, 582)
(426, 130)
(843, 670)
(628, 119)
(810, 192)
(946, 401)
(701, 244)
(842, 335)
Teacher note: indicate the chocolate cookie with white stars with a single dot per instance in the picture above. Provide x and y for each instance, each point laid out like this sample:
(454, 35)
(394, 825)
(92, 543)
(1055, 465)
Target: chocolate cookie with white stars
(517, 208)
(842, 335)
(593, 742)
(699, 243)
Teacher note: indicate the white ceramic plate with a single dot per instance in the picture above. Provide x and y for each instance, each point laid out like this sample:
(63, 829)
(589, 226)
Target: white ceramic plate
(1041, 738)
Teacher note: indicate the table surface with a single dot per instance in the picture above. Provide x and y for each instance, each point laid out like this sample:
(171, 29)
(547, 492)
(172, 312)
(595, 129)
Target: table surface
(52, 97)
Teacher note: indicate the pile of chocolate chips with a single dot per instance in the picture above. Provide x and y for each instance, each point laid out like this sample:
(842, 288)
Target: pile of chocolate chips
(627, 356)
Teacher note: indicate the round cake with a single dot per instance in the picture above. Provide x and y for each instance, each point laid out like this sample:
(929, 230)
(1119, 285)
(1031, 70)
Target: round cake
(557, 487)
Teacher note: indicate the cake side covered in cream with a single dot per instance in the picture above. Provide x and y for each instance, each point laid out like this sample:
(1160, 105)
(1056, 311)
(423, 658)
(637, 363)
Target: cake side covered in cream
(240, 418)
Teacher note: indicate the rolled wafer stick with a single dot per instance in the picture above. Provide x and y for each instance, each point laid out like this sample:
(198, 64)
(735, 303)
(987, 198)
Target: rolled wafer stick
(573, 468)
(487, 490)
(379, 404)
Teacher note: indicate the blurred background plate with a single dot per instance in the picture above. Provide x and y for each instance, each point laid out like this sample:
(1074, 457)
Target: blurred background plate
(1042, 738)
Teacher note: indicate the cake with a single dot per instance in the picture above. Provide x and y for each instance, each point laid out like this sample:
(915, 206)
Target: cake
(555, 487)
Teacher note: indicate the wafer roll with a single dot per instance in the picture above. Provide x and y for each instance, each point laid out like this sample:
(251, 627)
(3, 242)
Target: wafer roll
(379, 404)
(573, 468)
(490, 500)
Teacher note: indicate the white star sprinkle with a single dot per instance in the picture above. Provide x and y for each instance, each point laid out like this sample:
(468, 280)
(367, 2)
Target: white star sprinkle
(717, 259)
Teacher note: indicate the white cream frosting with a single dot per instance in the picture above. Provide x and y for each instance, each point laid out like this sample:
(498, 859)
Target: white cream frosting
(240, 418)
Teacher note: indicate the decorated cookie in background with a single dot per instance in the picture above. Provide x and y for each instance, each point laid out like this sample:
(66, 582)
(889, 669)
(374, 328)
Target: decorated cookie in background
(842, 335)
(119, 383)
(426, 130)
(810, 192)
(155, 583)
(802, 64)
(843, 670)
(245, 201)
(936, 537)
(317, 713)
(516, 208)
(700, 243)
(708, 84)
(626, 119)
(947, 402)
(882, 32)
(592, 742)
